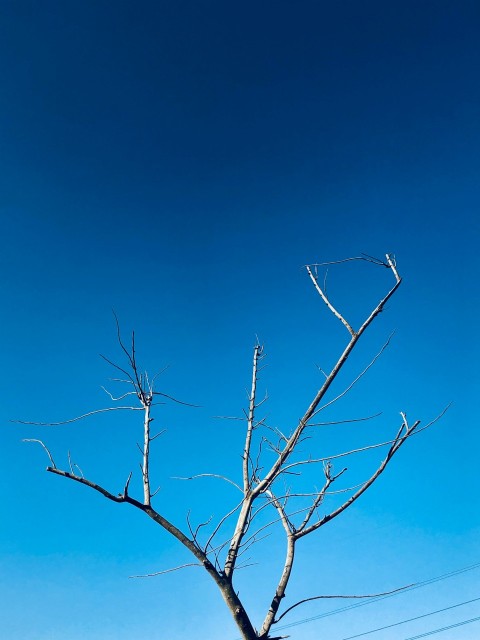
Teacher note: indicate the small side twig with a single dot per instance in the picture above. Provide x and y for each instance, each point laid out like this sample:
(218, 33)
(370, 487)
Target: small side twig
(343, 597)
(40, 442)
(161, 573)
(85, 415)
(208, 475)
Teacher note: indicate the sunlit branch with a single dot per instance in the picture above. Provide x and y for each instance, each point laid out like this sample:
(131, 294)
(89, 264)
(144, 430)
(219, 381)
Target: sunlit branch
(297, 434)
(362, 449)
(329, 479)
(363, 257)
(45, 448)
(287, 568)
(85, 415)
(209, 475)
(257, 354)
(330, 306)
(161, 573)
(259, 481)
(398, 442)
(128, 393)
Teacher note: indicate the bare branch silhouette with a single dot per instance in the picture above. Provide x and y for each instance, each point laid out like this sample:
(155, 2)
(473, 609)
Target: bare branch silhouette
(272, 461)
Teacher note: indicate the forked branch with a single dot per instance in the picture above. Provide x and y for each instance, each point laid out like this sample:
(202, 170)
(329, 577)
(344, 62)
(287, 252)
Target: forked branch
(291, 445)
(268, 460)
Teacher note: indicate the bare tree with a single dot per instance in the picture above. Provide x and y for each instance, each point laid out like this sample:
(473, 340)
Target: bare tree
(269, 458)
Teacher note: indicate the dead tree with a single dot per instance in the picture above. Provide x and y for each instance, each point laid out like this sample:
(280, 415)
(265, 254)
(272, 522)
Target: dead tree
(260, 485)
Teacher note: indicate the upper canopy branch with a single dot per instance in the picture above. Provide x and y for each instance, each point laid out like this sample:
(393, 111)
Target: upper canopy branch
(292, 442)
(364, 256)
(252, 406)
(321, 290)
(323, 295)
(405, 431)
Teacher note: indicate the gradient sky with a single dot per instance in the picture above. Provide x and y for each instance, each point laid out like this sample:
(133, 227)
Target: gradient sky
(180, 162)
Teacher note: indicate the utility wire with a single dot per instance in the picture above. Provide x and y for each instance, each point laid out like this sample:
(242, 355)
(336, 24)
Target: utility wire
(425, 615)
(418, 585)
(435, 631)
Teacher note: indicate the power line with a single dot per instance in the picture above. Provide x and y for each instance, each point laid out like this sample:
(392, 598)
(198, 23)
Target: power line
(452, 626)
(425, 615)
(418, 585)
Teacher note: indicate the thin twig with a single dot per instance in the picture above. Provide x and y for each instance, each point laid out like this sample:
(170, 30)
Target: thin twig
(349, 597)
(44, 447)
(116, 366)
(208, 475)
(125, 489)
(85, 415)
(161, 573)
(165, 395)
(333, 422)
(221, 523)
(157, 435)
(366, 448)
(128, 393)
(360, 375)
(70, 461)
(79, 470)
(364, 257)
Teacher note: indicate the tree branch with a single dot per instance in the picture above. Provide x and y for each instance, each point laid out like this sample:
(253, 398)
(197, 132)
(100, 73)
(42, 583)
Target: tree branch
(329, 597)
(356, 379)
(257, 354)
(350, 420)
(85, 415)
(47, 451)
(209, 475)
(256, 483)
(286, 572)
(329, 479)
(324, 297)
(161, 573)
(294, 439)
(397, 443)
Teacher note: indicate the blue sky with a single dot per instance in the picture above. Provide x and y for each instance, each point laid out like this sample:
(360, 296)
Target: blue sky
(180, 163)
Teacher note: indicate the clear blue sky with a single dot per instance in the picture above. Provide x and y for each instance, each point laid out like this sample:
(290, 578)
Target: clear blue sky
(179, 162)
